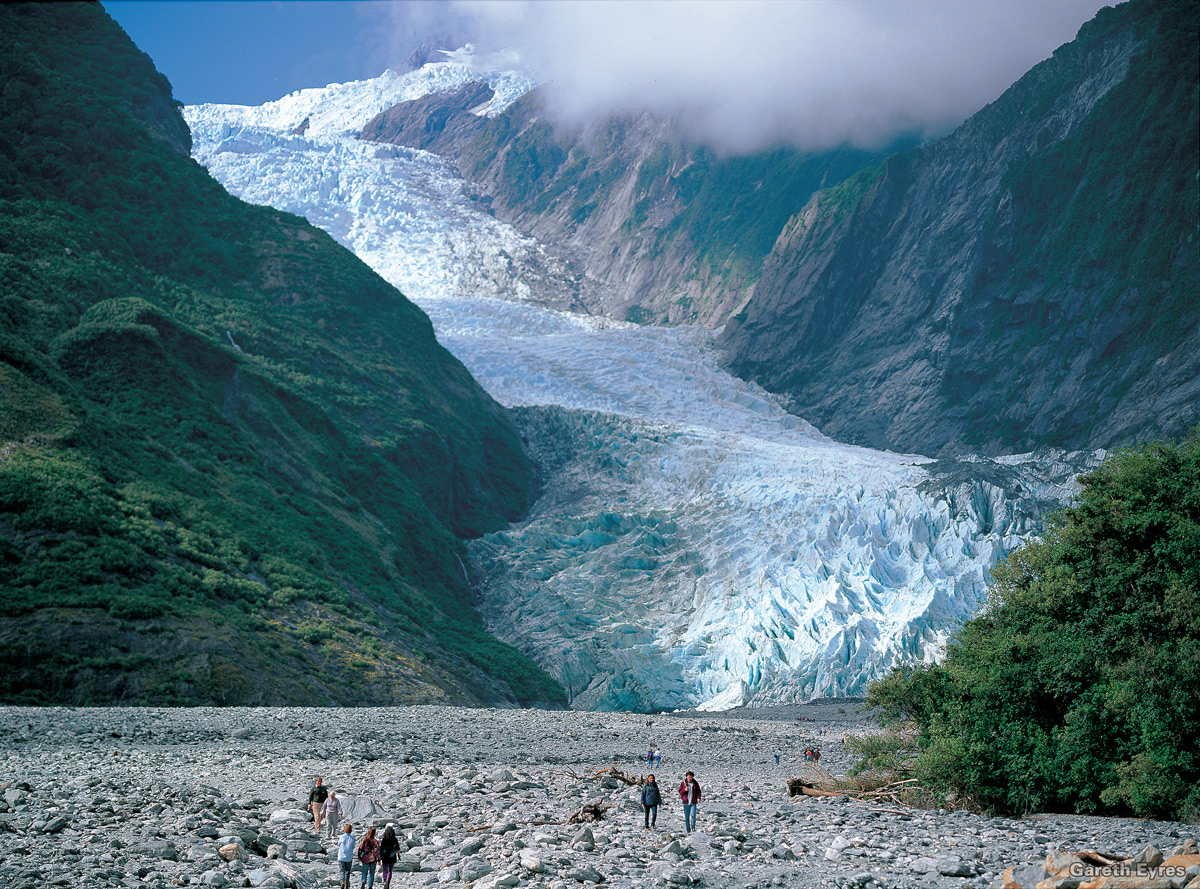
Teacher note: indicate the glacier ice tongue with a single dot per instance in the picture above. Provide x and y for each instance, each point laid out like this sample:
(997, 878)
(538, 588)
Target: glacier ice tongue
(694, 544)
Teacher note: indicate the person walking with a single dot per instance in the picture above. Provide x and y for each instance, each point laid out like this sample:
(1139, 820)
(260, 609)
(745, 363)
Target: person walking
(331, 812)
(689, 792)
(650, 757)
(368, 855)
(316, 798)
(346, 854)
(651, 799)
(389, 851)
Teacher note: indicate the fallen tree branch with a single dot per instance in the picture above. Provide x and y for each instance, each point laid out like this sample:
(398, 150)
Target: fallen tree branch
(589, 812)
(614, 772)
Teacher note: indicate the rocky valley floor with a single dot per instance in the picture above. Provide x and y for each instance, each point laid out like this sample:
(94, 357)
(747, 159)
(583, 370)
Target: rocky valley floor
(151, 797)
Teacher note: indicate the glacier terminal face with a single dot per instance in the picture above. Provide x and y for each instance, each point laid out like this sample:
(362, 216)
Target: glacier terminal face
(694, 544)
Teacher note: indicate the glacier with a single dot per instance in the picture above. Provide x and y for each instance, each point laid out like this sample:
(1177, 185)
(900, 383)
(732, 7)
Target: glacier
(693, 544)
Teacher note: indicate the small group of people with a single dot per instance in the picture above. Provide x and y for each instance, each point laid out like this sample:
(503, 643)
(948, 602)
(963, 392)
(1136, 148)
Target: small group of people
(372, 853)
(689, 794)
(812, 754)
(653, 757)
(326, 807)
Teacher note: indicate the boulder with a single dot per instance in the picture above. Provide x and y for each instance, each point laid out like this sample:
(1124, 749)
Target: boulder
(361, 810)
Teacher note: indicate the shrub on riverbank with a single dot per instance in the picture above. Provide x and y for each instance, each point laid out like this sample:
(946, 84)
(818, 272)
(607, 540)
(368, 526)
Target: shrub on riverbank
(1077, 687)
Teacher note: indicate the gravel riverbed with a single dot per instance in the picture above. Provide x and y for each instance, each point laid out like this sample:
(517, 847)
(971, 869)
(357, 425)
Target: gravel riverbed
(108, 797)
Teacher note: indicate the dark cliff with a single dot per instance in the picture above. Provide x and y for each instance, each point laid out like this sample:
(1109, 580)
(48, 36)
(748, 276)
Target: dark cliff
(1029, 280)
(234, 462)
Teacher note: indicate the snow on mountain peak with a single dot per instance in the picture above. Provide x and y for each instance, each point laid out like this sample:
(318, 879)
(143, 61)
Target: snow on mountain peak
(341, 109)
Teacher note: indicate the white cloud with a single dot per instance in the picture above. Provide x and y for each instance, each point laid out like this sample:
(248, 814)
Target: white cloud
(749, 73)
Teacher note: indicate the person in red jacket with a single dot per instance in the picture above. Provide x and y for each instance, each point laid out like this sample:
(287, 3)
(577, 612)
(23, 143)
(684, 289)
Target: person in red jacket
(689, 792)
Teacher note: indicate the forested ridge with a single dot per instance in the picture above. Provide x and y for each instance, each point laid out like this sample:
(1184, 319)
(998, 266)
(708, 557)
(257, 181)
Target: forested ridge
(235, 464)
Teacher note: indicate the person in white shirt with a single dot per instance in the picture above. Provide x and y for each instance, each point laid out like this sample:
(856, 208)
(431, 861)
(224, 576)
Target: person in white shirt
(346, 854)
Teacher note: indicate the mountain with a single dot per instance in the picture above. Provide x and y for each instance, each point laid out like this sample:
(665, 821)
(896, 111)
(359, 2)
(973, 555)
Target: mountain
(1029, 280)
(235, 464)
(691, 543)
(658, 228)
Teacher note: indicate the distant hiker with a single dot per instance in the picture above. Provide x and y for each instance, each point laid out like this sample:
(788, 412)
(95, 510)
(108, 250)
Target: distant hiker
(650, 757)
(650, 801)
(777, 755)
(368, 854)
(689, 792)
(657, 756)
(316, 798)
(331, 812)
(817, 755)
(389, 851)
(346, 854)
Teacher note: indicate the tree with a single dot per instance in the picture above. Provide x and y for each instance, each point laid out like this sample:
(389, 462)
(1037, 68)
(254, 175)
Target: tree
(1078, 687)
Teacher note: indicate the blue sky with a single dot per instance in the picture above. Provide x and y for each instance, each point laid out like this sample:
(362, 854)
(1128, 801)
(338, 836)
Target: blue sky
(745, 73)
(247, 53)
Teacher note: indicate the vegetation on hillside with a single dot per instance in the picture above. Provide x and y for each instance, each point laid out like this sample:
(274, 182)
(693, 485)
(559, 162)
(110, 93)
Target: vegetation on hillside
(1078, 688)
(234, 462)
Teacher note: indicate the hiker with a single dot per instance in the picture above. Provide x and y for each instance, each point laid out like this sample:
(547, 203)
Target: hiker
(651, 799)
(657, 756)
(316, 798)
(346, 854)
(389, 851)
(777, 755)
(650, 757)
(817, 755)
(689, 792)
(331, 811)
(368, 854)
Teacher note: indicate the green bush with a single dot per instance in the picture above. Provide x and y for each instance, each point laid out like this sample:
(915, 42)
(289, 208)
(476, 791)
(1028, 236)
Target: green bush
(1078, 688)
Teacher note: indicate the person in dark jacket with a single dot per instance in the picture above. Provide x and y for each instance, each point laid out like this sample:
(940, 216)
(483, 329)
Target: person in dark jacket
(317, 795)
(389, 851)
(650, 801)
(689, 792)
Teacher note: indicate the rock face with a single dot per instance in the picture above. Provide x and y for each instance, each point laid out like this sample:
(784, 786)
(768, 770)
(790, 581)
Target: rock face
(662, 228)
(1029, 280)
(432, 123)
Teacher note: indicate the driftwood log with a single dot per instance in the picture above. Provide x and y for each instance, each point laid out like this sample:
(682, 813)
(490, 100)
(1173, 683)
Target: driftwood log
(826, 785)
(614, 772)
(589, 812)
(798, 787)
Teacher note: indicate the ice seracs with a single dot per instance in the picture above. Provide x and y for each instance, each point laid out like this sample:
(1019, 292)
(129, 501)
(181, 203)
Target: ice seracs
(694, 544)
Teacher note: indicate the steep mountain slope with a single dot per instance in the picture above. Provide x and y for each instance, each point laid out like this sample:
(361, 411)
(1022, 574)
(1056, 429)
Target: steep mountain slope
(233, 460)
(660, 227)
(1032, 279)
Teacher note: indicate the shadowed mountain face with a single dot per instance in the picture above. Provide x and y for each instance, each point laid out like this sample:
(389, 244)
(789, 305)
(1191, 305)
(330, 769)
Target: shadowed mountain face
(1029, 280)
(234, 462)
